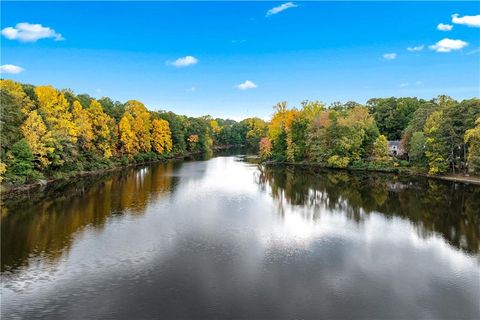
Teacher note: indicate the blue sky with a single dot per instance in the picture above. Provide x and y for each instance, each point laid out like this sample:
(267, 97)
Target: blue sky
(330, 51)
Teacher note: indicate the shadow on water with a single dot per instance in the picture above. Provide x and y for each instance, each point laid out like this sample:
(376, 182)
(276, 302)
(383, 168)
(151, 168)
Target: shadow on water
(45, 220)
(432, 206)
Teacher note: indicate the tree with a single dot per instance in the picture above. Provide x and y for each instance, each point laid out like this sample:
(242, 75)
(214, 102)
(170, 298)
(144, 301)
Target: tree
(82, 120)
(417, 148)
(127, 135)
(393, 115)
(161, 136)
(16, 90)
(101, 127)
(20, 166)
(380, 149)
(54, 108)
(39, 140)
(256, 129)
(435, 148)
(265, 148)
(10, 120)
(141, 125)
(472, 138)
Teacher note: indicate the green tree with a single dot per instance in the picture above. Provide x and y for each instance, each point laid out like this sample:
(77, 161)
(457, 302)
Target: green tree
(417, 148)
(472, 138)
(20, 163)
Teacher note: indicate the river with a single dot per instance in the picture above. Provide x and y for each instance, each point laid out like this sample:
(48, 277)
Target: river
(227, 238)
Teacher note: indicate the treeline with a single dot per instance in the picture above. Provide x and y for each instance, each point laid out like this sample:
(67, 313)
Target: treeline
(438, 136)
(47, 132)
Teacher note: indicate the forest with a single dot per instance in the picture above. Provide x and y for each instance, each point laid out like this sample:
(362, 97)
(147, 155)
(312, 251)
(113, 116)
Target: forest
(438, 136)
(51, 133)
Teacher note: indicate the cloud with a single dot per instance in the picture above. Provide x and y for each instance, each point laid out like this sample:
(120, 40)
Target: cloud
(183, 62)
(416, 48)
(448, 45)
(473, 51)
(11, 69)
(390, 56)
(27, 32)
(281, 8)
(444, 27)
(192, 89)
(471, 21)
(404, 84)
(246, 85)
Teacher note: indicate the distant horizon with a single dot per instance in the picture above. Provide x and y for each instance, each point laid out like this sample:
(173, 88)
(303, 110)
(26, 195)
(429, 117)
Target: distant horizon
(237, 60)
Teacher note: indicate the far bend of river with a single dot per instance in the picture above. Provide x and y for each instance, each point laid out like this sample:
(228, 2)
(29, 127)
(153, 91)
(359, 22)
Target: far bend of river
(226, 238)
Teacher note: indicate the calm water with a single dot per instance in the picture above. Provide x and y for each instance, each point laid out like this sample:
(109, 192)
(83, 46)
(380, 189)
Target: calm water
(225, 238)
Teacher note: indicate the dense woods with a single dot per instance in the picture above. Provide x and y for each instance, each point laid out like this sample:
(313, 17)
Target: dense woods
(437, 136)
(47, 132)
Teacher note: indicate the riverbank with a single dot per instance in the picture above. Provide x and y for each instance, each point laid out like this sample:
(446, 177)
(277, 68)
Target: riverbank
(393, 170)
(9, 191)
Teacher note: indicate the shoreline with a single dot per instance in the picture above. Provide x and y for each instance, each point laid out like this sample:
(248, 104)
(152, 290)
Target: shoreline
(9, 192)
(406, 172)
(12, 191)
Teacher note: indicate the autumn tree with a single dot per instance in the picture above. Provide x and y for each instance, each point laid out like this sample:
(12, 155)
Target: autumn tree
(38, 138)
(140, 125)
(161, 136)
(82, 120)
(380, 149)
(102, 125)
(127, 135)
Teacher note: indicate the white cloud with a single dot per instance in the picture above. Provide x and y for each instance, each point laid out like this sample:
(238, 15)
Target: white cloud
(10, 68)
(416, 48)
(404, 84)
(27, 32)
(246, 85)
(183, 62)
(444, 27)
(390, 56)
(447, 45)
(192, 89)
(471, 21)
(281, 8)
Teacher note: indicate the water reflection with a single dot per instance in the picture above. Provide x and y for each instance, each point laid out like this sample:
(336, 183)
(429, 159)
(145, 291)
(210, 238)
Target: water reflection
(46, 221)
(450, 209)
(225, 238)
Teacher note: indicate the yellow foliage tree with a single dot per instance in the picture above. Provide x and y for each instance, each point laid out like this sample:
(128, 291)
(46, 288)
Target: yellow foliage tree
(127, 136)
(282, 120)
(39, 139)
(81, 118)
(141, 125)
(161, 136)
(15, 89)
(101, 124)
(54, 108)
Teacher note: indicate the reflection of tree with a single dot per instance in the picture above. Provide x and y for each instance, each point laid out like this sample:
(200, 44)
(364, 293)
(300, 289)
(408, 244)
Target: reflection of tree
(447, 208)
(45, 225)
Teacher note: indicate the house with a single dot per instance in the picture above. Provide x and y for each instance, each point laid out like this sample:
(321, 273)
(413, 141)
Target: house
(395, 148)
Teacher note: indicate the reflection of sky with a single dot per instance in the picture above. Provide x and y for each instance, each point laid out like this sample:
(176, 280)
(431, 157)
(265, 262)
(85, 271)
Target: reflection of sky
(217, 215)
